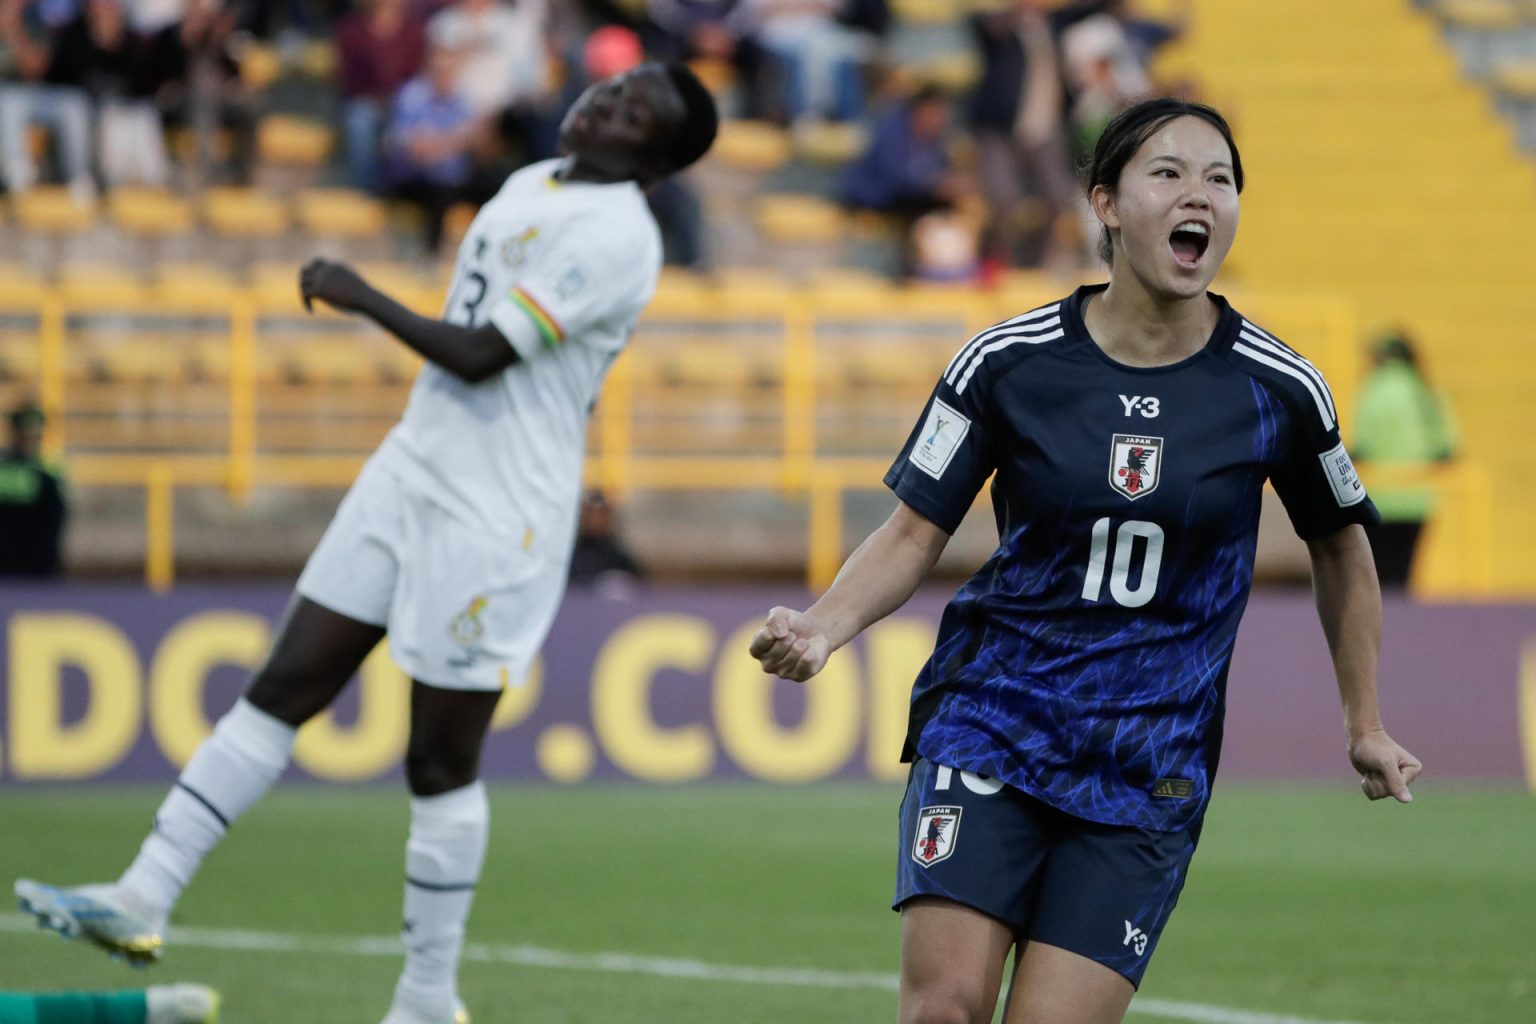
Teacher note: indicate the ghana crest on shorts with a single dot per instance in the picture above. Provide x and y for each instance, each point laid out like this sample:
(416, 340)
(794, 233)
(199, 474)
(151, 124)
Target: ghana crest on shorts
(1086, 662)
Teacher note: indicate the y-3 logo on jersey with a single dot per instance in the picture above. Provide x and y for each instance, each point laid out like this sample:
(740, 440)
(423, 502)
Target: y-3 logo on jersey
(1148, 406)
(1135, 938)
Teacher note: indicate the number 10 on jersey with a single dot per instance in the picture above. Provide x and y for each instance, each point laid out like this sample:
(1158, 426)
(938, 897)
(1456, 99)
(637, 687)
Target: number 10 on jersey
(1120, 565)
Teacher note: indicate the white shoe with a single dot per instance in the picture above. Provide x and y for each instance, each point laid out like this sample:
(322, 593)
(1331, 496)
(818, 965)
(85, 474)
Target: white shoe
(403, 1013)
(181, 1004)
(100, 914)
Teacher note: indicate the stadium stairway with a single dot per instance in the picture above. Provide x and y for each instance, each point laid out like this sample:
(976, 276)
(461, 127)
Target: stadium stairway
(1376, 172)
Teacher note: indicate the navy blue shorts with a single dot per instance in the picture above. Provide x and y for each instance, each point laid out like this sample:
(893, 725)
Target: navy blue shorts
(1102, 891)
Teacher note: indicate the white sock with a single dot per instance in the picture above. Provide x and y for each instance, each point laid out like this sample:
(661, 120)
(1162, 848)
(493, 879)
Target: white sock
(229, 772)
(442, 867)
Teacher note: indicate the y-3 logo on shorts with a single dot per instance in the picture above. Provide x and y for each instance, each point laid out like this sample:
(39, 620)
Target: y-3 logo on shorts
(466, 627)
(1136, 938)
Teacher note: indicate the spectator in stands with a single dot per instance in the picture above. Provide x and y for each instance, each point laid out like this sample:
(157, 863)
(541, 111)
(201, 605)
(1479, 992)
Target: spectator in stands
(49, 55)
(1404, 426)
(128, 69)
(212, 92)
(600, 559)
(906, 168)
(817, 58)
(506, 70)
(429, 141)
(1147, 34)
(33, 506)
(906, 172)
(1105, 77)
(1016, 115)
(709, 30)
(379, 47)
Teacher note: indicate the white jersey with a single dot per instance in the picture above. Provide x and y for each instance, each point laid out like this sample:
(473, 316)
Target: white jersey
(563, 270)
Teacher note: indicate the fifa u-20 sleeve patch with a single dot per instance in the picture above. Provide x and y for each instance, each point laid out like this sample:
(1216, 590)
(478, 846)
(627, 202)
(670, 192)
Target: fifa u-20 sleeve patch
(940, 437)
(1342, 478)
(946, 459)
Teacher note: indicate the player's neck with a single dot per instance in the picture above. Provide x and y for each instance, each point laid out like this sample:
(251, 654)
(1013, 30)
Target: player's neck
(575, 170)
(1134, 327)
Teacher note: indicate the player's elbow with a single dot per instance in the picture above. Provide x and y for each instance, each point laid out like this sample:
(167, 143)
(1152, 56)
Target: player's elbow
(484, 354)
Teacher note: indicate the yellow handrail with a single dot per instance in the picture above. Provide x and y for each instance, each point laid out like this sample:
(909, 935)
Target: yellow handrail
(797, 467)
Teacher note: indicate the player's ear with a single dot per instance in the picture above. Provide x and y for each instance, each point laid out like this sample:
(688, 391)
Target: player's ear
(1102, 199)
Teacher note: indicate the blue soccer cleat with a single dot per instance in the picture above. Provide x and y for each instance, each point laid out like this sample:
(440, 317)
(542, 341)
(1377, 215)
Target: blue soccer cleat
(99, 914)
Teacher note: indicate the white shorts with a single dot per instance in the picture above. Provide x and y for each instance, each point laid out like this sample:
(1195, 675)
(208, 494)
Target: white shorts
(464, 610)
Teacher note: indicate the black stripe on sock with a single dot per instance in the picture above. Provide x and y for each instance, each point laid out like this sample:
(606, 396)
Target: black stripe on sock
(194, 794)
(439, 886)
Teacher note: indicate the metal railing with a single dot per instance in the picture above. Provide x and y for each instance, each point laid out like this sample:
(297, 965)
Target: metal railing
(797, 341)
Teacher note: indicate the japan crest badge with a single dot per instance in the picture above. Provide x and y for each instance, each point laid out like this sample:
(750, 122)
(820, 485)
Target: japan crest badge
(937, 830)
(1135, 464)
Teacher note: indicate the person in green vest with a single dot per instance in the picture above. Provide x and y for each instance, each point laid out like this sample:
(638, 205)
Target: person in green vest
(33, 505)
(158, 1004)
(1404, 428)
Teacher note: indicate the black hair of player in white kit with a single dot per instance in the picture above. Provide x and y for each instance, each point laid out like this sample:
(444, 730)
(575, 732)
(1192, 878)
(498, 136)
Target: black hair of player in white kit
(701, 121)
(1124, 135)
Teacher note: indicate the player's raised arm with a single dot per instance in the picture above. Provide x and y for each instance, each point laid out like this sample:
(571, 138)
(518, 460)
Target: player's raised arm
(1349, 605)
(472, 354)
(877, 579)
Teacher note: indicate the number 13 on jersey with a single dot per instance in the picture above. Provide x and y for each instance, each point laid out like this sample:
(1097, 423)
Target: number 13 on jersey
(1120, 563)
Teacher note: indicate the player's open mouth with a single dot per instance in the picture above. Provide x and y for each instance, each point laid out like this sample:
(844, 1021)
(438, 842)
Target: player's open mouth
(1189, 242)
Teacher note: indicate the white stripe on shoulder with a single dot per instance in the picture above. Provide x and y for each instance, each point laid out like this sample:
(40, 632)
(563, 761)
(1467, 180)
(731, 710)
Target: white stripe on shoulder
(1291, 370)
(1268, 342)
(1032, 319)
(1002, 343)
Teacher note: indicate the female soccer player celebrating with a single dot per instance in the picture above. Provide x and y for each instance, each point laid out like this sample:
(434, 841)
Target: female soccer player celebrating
(1065, 732)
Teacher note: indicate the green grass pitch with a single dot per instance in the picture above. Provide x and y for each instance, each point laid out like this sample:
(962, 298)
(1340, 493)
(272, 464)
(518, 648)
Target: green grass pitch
(1307, 902)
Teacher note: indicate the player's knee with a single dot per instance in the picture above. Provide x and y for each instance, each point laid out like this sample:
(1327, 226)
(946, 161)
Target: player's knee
(429, 773)
(945, 1006)
(286, 696)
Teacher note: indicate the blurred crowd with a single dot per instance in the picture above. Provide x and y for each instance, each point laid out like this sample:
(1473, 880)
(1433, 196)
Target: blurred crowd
(435, 101)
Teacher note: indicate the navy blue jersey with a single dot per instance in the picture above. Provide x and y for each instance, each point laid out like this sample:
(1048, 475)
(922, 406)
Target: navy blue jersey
(1085, 663)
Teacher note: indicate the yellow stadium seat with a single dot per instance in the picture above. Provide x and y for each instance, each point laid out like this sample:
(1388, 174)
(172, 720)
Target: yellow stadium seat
(18, 359)
(192, 288)
(259, 66)
(751, 146)
(844, 290)
(149, 211)
(456, 222)
(1517, 81)
(138, 358)
(398, 364)
(183, 142)
(20, 287)
(1484, 15)
(244, 213)
(404, 284)
(953, 72)
(100, 286)
(318, 60)
(718, 76)
(828, 143)
(926, 12)
(791, 218)
(340, 213)
(292, 141)
(275, 288)
(52, 209)
(709, 364)
(325, 360)
(746, 290)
